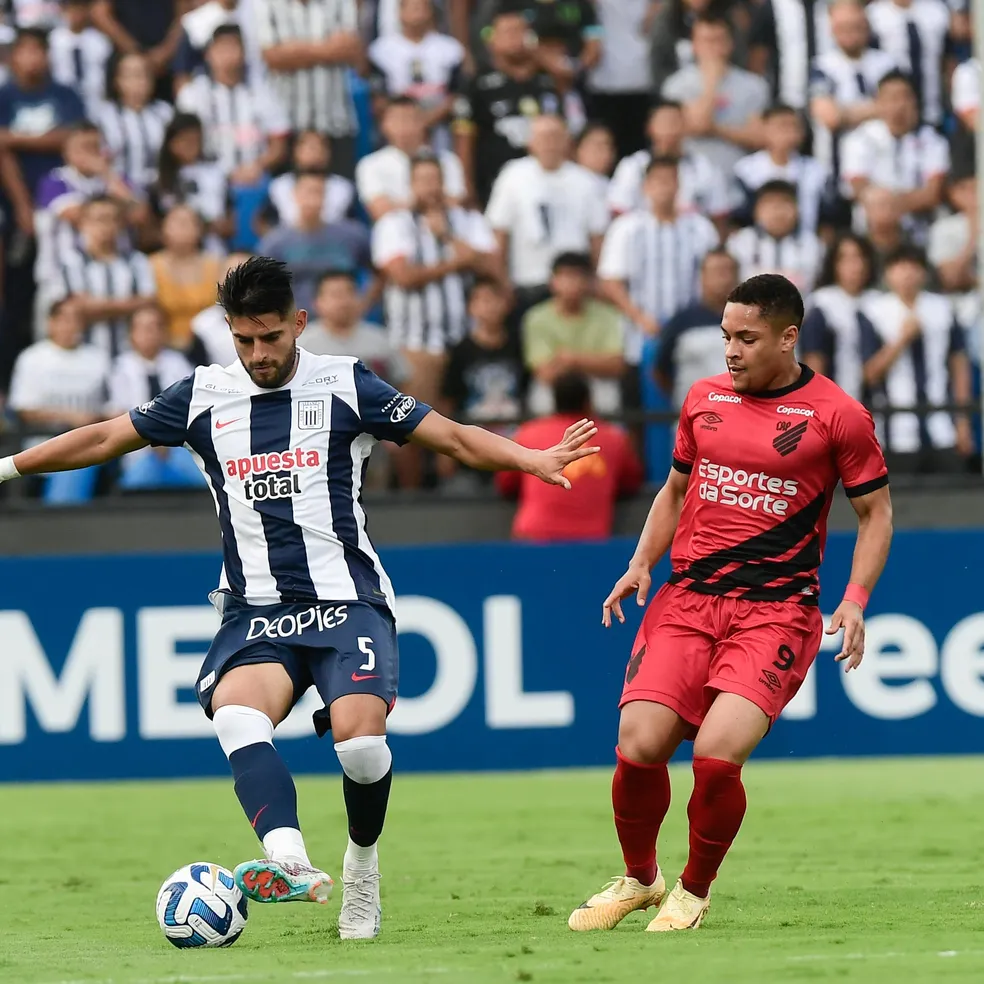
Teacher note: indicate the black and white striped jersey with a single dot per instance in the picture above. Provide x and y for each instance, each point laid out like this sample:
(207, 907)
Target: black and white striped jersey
(317, 98)
(135, 138)
(237, 120)
(285, 468)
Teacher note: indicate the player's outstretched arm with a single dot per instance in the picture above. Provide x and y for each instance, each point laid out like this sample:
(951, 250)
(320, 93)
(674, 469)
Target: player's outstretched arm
(479, 448)
(870, 553)
(655, 540)
(92, 445)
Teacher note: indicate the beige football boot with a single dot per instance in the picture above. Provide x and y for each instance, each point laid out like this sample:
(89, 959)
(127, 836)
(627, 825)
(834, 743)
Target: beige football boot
(680, 911)
(615, 901)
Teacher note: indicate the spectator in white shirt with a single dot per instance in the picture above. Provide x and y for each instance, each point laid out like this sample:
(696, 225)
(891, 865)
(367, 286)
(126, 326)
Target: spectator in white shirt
(311, 154)
(883, 223)
(916, 355)
(782, 161)
(723, 104)
(966, 92)
(141, 375)
(830, 340)
(340, 330)
(844, 81)
(58, 384)
(79, 54)
(897, 153)
(650, 262)
(953, 238)
(197, 28)
(246, 126)
(777, 243)
(915, 34)
(421, 63)
(544, 205)
(426, 254)
(703, 187)
(382, 179)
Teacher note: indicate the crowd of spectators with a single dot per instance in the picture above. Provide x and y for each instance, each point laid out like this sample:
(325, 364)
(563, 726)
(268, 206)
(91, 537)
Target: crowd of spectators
(512, 209)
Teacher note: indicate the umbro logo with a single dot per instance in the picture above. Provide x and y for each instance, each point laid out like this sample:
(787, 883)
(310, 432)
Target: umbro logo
(771, 682)
(709, 419)
(788, 441)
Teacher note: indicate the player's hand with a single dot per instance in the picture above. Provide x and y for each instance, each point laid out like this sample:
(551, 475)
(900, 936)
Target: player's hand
(636, 579)
(850, 618)
(549, 465)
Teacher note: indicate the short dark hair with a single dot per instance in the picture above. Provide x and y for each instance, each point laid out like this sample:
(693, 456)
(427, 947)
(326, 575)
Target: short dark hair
(38, 34)
(397, 101)
(483, 280)
(777, 187)
(83, 126)
(665, 104)
(149, 306)
(571, 393)
(573, 261)
(55, 307)
(778, 299)
(103, 199)
(897, 75)
(227, 31)
(828, 273)
(259, 286)
(593, 126)
(715, 18)
(663, 162)
(907, 253)
(779, 109)
(336, 273)
(424, 156)
(716, 252)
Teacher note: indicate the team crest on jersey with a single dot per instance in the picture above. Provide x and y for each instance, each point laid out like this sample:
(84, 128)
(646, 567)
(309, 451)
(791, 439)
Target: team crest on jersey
(310, 414)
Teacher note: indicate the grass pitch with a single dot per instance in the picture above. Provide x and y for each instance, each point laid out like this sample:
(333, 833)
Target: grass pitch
(844, 871)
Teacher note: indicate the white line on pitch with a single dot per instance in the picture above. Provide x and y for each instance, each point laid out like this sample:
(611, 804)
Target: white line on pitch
(889, 955)
(297, 975)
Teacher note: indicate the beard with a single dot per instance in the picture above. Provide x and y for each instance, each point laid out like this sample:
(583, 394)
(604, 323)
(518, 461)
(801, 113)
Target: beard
(274, 374)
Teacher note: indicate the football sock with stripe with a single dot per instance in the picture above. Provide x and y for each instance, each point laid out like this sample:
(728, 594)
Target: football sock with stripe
(716, 810)
(640, 799)
(263, 783)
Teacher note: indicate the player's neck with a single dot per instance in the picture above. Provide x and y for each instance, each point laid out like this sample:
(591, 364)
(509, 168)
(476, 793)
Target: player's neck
(786, 377)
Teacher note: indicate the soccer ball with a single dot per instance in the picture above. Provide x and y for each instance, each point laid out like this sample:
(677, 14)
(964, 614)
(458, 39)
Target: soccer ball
(200, 905)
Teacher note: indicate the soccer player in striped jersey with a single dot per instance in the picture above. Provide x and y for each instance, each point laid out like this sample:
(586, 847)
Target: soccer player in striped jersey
(283, 437)
(727, 642)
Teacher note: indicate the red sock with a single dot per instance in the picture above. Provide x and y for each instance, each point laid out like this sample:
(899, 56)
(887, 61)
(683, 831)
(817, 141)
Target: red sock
(640, 798)
(716, 809)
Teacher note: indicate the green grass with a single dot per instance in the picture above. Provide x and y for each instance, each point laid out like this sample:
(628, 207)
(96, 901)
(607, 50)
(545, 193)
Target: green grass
(844, 871)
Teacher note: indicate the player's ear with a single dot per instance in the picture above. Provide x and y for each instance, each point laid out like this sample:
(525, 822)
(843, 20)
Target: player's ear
(300, 323)
(790, 334)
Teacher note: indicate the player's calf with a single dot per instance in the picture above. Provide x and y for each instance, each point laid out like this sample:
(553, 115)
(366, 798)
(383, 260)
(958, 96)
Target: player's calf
(367, 766)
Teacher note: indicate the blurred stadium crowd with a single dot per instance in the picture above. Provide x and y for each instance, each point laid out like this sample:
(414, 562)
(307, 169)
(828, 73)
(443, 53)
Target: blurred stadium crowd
(511, 209)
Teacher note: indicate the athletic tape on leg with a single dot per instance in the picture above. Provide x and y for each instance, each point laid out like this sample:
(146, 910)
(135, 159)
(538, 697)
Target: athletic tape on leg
(238, 726)
(366, 759)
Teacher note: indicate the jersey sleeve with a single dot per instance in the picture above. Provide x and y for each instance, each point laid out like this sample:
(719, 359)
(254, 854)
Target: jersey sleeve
(860, 462)
(164, 420)
(614, 262)
(685, 447)
(386, 414)
(623, 191)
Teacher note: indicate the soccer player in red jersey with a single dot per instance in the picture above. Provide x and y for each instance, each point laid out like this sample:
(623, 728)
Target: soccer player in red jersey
(726, 643)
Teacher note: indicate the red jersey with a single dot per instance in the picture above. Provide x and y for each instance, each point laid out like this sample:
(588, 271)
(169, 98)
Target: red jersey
(763, 469)
(549, 512)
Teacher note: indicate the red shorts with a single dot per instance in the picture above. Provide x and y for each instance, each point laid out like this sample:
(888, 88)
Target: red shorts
(692, 646)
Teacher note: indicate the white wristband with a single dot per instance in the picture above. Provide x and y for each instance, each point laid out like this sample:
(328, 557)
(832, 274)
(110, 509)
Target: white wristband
(7, 469)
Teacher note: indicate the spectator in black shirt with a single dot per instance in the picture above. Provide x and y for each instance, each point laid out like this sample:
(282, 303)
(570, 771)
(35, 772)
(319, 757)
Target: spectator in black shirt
(152, 27)
(485, 379)
(492, 116)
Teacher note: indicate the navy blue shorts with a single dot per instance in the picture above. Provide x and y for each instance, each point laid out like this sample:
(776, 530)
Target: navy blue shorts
(341, 648)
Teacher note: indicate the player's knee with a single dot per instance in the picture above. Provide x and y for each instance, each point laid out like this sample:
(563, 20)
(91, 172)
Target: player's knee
(238, 726)
(366, 759)
(639, 744)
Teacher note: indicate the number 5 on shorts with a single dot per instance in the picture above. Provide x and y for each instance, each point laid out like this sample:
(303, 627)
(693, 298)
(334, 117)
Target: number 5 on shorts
(365, 647)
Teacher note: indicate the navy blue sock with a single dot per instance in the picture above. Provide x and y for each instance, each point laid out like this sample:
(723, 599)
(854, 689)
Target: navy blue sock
(366, 807)
(264, 787)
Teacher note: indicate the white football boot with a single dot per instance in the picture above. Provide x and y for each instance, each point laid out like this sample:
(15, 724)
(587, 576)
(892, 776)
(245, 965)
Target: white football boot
(361, 911)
